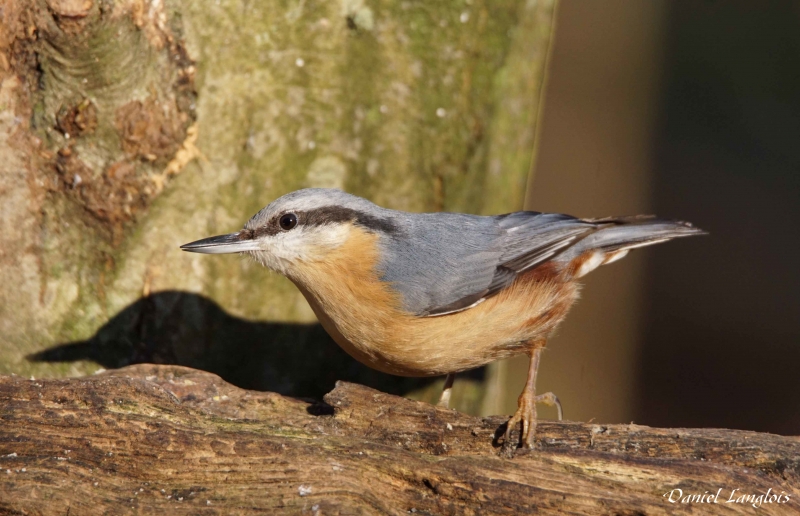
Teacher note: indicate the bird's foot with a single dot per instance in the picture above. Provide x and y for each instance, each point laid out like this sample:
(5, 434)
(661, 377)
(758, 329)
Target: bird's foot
(526, 414)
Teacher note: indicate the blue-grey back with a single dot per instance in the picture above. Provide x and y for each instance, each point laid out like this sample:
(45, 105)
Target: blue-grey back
(438, 258)
(446, 262)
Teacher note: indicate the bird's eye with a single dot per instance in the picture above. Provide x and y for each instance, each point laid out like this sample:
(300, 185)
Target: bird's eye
(288, 221)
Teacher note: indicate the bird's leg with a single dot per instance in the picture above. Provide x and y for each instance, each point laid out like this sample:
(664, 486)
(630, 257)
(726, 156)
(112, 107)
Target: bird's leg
(444, 399)
(526, 411)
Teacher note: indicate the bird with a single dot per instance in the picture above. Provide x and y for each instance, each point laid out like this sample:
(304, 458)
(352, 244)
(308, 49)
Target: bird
(436, 294)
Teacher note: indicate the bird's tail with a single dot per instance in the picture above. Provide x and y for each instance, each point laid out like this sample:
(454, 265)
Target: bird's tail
(622, 233)
(615, 236)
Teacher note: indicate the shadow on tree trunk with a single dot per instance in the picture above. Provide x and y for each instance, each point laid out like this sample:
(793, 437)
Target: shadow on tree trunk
(182, 328)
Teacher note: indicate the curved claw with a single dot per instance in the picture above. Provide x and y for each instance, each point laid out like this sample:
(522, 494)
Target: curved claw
(526, 414)
(551, 400)
(512, 424)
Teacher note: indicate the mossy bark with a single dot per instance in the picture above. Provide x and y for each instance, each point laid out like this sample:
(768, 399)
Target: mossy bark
(129, 127)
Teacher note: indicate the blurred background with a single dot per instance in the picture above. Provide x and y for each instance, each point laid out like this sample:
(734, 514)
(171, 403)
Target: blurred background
(685, 109)
(690, 110)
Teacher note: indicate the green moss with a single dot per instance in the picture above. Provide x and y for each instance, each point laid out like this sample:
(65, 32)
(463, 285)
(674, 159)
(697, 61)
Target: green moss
(408, 104)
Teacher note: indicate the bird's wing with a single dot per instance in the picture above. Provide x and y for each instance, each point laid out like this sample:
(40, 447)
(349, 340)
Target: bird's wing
(454, 262)
(532, 238)
(527, 239)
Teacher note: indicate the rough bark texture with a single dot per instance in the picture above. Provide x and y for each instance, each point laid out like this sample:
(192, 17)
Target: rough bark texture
(172, 440)
(129, 127)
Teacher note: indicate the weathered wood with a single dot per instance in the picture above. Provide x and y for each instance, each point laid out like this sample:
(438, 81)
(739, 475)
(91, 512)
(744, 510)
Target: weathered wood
(173, 440)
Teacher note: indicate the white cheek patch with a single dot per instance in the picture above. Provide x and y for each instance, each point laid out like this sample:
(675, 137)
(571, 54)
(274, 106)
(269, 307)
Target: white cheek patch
(279, 252)
(316, 242)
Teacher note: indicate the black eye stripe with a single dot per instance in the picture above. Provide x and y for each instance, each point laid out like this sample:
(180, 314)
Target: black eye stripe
(323, 216)
(339, 214)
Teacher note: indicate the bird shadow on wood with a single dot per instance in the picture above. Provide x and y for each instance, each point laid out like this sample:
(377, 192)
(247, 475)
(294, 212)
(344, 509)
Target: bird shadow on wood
(183, 328)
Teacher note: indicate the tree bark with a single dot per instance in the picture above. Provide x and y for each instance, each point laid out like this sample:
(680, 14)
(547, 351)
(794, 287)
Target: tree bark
(129, 127)
(172, 440)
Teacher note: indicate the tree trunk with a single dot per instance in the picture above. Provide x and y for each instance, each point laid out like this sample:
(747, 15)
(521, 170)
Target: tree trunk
(172, 440)
(129, 127)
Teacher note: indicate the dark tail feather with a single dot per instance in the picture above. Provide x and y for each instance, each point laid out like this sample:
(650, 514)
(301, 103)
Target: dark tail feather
(623, 233)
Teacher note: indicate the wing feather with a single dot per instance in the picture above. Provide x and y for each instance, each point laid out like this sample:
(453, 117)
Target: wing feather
(447, 262)
(524, 240)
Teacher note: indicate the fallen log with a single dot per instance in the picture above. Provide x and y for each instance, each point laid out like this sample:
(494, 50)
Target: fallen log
(173, 440)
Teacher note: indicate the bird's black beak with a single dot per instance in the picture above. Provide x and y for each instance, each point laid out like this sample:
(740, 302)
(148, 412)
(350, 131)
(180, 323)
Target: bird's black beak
(223, 244)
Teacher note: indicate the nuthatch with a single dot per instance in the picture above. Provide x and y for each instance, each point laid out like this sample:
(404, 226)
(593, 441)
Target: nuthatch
(425, 294)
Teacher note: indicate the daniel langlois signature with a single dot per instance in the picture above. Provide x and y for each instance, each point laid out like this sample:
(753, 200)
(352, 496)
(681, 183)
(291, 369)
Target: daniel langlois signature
(734, 496)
